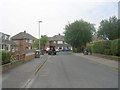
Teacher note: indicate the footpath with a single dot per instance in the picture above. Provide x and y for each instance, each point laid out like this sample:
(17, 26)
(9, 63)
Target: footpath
(19, 76)
(103, 61)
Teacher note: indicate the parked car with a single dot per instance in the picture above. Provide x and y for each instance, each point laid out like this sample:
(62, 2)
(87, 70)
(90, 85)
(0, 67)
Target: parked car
(52, 51)
(85, 52)
(37, 53)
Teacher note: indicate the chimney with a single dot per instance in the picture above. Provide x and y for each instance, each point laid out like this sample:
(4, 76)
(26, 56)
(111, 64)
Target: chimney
(59, 34)
(24, 31)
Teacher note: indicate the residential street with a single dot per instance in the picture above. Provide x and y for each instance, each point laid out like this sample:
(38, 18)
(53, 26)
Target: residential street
(64, 70)
(67, 70)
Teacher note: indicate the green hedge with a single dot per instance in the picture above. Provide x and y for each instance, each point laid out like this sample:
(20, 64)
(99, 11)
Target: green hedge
(107, 47)
(89, 46)
(115, 47)
(5, 57)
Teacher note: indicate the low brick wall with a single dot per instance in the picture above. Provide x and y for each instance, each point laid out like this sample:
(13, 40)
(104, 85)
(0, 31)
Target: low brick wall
(8, 66)
(29, 57)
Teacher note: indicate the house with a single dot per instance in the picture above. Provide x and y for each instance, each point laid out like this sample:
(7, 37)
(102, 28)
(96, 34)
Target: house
(24, 42)
(6, 43)
(58, 42)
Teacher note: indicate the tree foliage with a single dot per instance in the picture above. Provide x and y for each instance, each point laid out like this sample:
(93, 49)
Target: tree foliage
(78, 33)
(43, 41)
(108, 29)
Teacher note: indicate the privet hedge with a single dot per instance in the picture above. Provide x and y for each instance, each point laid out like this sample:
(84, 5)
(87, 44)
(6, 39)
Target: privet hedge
(107, 47)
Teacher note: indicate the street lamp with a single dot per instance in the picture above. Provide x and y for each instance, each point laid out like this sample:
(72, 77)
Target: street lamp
(39, 33)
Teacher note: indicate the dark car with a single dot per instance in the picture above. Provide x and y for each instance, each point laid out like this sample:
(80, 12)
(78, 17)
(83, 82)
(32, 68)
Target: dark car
(85, 52)
(52, 51)
(37, 53)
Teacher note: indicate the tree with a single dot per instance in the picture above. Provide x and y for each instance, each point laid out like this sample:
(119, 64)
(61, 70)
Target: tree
(78, 33)
(108, 29)
(43, 41)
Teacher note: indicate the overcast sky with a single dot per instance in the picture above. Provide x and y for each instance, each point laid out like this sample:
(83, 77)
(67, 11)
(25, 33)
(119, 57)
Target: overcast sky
(19, 15)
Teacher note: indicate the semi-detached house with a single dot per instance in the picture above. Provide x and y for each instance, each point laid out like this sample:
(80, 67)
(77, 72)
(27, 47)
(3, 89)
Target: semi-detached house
(6, 43)
(58, 42)
(24, 42)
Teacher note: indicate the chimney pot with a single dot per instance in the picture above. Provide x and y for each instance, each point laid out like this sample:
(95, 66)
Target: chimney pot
(24, 31)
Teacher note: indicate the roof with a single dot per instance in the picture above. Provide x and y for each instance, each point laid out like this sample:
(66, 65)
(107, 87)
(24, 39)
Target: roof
(56, 38)
(8, 42)
(4, 34)
(23, 35)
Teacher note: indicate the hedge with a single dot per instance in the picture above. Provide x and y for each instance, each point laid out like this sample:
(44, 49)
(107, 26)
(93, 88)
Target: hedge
(107, 47)
(115, 47)
(5, 57)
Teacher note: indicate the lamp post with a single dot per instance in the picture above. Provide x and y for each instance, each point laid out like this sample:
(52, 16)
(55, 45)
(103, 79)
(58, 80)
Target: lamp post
(39, 33)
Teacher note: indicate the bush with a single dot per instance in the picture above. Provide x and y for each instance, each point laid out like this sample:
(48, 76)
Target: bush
(89, 46)
(107, 47)
(98, 47)
(115, 47)
(5, 57)
(102, 47)
(13, 60)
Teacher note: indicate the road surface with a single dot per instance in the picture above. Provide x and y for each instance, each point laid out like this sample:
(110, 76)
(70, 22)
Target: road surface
(67, 70)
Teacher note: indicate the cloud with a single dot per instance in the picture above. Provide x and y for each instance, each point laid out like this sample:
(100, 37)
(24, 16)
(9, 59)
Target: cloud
(20, 15)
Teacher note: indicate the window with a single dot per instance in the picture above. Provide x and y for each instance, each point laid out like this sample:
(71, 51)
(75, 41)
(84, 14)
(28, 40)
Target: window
(2, 47)
(30, 41)
(54, 42)
(65, 42)
(3, 37)
(60, 42)
(29, 48)
(27, 40)
(6, 37)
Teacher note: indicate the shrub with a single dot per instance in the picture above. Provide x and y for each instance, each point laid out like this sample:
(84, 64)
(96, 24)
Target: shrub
(13, 60)
(98, 47)
(115, 47)
(107, 47)
(5, 57)
(102, 47)
(89, 46)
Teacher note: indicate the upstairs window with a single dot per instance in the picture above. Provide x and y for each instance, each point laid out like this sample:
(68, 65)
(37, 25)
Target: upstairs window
(30, 41)
(60, 42)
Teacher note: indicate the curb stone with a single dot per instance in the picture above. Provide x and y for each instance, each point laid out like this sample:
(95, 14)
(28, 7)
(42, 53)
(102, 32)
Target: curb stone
(38, 67)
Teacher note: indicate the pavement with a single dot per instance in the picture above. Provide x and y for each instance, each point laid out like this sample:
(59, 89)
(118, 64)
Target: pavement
(19, 76)
(107, 62)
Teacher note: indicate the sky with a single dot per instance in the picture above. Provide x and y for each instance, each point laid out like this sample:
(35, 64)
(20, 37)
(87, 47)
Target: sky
(23, 15)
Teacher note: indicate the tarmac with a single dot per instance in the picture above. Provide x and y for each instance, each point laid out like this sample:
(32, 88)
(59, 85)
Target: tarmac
(107, 62)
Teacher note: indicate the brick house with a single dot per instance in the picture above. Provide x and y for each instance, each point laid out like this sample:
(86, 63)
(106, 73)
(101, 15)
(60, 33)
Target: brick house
(59, 42)
(24, 42)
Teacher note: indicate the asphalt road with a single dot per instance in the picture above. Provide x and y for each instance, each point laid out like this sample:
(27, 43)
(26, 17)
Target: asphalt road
(67, 70)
